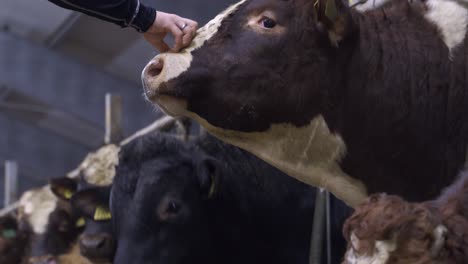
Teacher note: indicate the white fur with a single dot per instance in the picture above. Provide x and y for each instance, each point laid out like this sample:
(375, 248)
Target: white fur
(98, 168)
(451, 18)
(381, 253)
(177, 63)
(311, 153)
(439, 240)
(36, 206)
(366, 5)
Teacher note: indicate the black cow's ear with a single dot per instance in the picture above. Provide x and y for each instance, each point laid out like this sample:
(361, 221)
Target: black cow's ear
(334, 17)
(64, 187)
(92, 203)
(208, 177)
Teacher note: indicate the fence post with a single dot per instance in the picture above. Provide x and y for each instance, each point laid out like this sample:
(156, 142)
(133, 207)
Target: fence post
(113, 119)
(315, 254)
(11, 182)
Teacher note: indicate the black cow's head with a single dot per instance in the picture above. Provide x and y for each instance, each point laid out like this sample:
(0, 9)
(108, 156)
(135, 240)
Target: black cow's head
(48, 215)
(158, 203)
(97, 241)
(261, 76)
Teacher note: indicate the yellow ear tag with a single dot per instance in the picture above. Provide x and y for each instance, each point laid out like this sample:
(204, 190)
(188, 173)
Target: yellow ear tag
(67, 193)
(102, 214)
(80, 222)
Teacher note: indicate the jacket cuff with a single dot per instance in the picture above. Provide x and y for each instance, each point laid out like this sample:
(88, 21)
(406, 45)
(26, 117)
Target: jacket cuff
(144, 19)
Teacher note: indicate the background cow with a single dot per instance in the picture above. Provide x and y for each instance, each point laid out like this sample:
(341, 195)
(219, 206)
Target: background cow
(54, 227)
(12, 241)
(206, 202)
(388, 229)
(97, 241)
(353, 102)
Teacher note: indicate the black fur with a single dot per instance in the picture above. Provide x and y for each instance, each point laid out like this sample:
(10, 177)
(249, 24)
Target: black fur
(256, 214)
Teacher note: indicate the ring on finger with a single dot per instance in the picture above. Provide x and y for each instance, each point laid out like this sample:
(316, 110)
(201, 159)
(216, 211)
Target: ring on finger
(183, 26)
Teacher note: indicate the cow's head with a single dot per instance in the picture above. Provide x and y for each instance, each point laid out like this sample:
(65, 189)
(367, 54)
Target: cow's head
(159, 201)
(260, 76)
(388, 229)
(248, 67)
(97, 241)
(54, 227)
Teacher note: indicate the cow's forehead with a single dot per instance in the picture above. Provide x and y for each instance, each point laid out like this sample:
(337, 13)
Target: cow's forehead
(36, 206)
(211, 28)
(98, 168)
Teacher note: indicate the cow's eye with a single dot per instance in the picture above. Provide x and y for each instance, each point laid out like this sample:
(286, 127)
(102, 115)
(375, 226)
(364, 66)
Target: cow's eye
(173, 207)
(268, 22)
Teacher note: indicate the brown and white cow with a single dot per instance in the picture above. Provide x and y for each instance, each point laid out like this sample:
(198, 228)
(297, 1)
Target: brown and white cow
(363, 99)
(386, 229)
(54, 227)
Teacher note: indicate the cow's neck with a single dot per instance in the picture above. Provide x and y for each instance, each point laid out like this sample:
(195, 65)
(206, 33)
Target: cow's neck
(310, 153)
(399, 72)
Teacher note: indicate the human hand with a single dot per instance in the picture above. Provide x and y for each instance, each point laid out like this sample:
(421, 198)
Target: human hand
(182, 29)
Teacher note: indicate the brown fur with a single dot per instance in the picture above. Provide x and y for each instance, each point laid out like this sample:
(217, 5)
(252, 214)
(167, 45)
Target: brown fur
(412, 225)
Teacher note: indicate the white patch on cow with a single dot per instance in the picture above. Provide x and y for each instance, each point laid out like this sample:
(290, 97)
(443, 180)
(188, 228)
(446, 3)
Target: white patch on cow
(439, 233)
(366, 5)
(98, 168)
(451, 18)
(310, 154)
(36, 206)
(382, 251)
(177, 63)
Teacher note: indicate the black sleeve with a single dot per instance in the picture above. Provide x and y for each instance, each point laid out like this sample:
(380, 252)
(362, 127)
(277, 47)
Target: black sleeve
(125, 13)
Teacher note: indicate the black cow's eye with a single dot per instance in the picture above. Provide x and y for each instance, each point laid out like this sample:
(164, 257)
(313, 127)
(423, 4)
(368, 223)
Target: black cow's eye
(268, 22)
(173, 207)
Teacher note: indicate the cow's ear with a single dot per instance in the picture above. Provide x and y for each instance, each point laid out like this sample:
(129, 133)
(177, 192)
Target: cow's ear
(208, 176)
(334, 17)
(63, 188)
(93, 203)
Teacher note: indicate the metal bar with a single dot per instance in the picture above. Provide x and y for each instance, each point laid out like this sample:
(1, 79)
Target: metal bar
(328, 225)
(163, 124)
(8, 209)
(59, 34)
(315, 255)
(183, 125)
(33, 111)
(113, 132)
(11, 182)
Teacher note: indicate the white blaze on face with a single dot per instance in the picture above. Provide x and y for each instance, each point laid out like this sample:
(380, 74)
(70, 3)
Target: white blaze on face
(177, 63)
(451, 18)
(382, 251)
(36, 206)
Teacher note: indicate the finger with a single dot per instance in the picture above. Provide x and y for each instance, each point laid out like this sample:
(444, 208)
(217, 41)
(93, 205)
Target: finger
(162, 46)
(192, 24)
(178, 35)
(187, 38)
(157, 40)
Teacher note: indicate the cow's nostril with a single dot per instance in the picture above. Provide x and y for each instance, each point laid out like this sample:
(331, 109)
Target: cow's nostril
(93, 242)
(155, 68)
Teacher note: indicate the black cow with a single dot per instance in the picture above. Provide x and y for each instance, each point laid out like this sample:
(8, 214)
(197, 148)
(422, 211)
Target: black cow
(207, 202)
(353, 101)
(97, 241)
